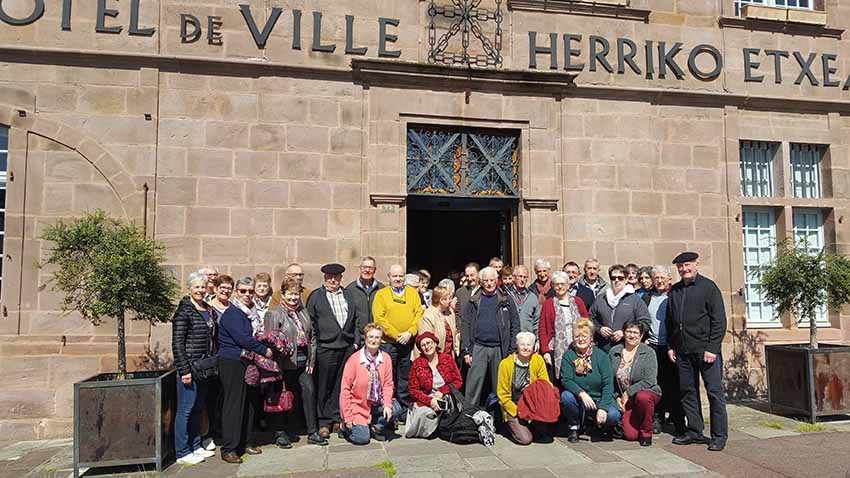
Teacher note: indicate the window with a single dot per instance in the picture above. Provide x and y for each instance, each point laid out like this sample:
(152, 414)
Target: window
(4, 156)
(759, 228)
(808, 236)
(757, 168)
(802, 4)
(805, 170)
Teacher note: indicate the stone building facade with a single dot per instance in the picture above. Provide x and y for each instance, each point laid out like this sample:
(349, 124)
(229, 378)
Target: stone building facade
(250, 134)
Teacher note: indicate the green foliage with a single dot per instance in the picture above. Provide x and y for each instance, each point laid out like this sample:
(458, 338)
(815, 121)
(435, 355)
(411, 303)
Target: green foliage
(388, 467)
(108, 268)
(772, 424)
(801, 283)
(811, 427)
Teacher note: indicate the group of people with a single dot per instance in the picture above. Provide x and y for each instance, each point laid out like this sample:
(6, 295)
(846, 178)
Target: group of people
(617, 359)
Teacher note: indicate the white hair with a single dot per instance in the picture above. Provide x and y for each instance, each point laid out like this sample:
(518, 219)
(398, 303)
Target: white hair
(526, 336)
(448, 284)
(591, 260)
(542, 263)
(196, 277)
(410, 279)
(661, 269)
(488, 270)
(561, 275)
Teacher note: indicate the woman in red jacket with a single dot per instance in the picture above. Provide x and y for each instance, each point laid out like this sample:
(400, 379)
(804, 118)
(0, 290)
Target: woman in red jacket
(430, 376)
(556, 323)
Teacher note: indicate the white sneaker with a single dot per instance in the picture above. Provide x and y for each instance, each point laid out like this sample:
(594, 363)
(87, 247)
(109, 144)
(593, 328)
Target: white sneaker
(203, 453)
(208, 444)
(190, 459)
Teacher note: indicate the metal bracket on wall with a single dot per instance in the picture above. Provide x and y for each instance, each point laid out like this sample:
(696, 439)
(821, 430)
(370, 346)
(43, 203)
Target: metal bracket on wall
(551, 204)
(392, 200)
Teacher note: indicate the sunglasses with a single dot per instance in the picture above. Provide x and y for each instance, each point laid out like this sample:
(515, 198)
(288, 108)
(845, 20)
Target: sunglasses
(244, 291)
(618, 278)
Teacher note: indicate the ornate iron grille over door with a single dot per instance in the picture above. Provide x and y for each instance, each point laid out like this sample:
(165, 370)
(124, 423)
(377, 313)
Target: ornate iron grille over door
(462, 162)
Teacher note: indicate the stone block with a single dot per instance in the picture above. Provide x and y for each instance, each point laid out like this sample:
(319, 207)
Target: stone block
(209, 162)
(28, 372)
(66, 166)
(310, 195)
(267, 137)
(597, 176)
(324, 112)
(673, 155)
(344, 224)
(300, 222)
(88, 197)
(708, 157)
(704, 180)
(635, 177)
(56, 98)
(315, 251)
(183, 249)
(681, 204)
(610, 202)
(270, 250)
(255, 164)
(807, 16)
(578, 201)
(283, 109)
(35, 403)
(208, 221)
(224, 250)
(307, 139)
(103, 100)
(642, 228)
(300, 165)
(677, 229)
(606, 227)
(267, 194)
(171, 161)
(712, 205)
(674, 180)
(67, 370)
(170, 220)
(227, 134)
(345, 169)
(346, 140)
(345, 196)
(182, 132)
(711, 229)
(221, 192)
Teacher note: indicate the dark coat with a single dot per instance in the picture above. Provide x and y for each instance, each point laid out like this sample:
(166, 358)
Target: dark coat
(191, 337)
(278, 319)
(644, 374)
(630, 307)
(329, 334)
(507, 319)
(696, 317)
(363, 302)
(584, 293)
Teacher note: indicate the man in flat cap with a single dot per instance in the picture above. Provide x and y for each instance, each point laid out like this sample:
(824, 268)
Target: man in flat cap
(695, 324)
(334, 317)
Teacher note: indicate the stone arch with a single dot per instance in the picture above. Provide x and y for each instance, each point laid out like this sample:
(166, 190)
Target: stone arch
(113, 172)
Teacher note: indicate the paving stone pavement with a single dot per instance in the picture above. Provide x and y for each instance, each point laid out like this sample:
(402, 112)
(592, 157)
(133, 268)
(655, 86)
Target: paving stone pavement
(754, 440)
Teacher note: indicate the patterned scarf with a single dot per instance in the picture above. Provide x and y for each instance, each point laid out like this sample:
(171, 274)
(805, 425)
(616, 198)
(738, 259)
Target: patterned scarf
(256, 321)
(563, 331)
(582, 362)
(301, 335)
(374, 377)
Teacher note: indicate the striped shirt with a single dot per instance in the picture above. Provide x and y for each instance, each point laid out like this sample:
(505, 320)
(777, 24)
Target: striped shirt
(339, 305)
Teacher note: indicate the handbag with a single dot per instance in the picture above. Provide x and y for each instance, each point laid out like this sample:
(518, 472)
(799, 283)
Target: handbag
(204, 368)
(278, 401)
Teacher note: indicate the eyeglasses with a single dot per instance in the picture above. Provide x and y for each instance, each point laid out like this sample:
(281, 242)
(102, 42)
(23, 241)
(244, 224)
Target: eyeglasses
(244, 291)
(618, 278)
(631, 332)
(367, 268)
(295, 275)
(559, 284)
(225, 289)
(520, 277)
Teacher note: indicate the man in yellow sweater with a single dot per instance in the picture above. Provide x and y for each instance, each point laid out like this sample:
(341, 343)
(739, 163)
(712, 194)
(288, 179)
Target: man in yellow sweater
(397, 309)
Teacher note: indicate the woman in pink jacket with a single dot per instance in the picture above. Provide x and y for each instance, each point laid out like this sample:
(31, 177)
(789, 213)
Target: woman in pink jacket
(366, 394)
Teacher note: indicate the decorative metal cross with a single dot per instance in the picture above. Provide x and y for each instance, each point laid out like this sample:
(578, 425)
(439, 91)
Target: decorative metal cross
(467, 17)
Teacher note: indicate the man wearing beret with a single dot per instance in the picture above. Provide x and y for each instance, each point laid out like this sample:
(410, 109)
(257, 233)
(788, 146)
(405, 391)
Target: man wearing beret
(334, 317)
(695, 324)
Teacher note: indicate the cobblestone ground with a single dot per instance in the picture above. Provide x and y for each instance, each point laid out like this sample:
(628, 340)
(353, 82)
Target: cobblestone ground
(760, 446)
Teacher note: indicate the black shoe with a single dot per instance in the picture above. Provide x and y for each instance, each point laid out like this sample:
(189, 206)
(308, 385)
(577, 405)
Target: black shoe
(572, 436)
(316, 439)
(605, 434)
(282, 441)
(617, 432)
(716, 445)
(688, 439)
(656, 425)
(645, 441)
(376, 435)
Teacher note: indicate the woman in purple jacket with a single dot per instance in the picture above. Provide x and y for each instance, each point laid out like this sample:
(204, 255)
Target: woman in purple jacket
(235, 334)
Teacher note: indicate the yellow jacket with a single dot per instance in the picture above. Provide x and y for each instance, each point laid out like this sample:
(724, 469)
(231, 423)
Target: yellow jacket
(397, 314)
(536, 371)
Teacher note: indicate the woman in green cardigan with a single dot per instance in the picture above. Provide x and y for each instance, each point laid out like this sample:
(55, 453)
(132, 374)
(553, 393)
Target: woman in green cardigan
(588, 382)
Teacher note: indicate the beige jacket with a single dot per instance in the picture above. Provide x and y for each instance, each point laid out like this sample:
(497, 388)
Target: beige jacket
(435, 321)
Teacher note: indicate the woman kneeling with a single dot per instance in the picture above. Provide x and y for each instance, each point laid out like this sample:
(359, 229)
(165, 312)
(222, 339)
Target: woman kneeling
(430, 376)
(636, 371)
(523, 380)
(588, 383)
(366, 394)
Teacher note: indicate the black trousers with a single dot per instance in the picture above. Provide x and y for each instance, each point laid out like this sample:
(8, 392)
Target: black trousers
(400, 357)
(300, 383)
(329, 365)
(668, 380)
(234, 415)
(214, 401)
(691, 367)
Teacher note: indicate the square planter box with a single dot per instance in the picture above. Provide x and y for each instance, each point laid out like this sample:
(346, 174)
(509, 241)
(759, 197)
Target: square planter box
(124, 422)
(808, 382)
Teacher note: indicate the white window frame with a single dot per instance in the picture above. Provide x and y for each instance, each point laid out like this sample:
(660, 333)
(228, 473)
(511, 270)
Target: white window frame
(756, 255)
(4, 152)
(756, 159)
(794, 4)
(815, 244)
(805, 170)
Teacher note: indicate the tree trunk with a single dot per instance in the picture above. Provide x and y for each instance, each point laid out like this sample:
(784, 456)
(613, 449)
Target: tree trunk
(122, 352)
(813, 331)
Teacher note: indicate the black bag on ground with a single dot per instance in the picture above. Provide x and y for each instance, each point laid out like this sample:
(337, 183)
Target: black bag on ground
(456, 424)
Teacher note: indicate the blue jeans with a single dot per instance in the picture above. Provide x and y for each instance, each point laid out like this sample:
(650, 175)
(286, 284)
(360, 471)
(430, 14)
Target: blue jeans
(573, 410)
(360, 434)
(187, 420)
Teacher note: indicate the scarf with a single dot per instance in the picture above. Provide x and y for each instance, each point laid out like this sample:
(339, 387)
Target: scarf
(542, 289)
(612, 299)
(582, 363)
(374, 395)
(256, 321)
(563, 331)
(301, 335)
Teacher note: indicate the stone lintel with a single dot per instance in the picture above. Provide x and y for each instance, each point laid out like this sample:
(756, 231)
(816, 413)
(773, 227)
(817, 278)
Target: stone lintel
(609, 9)
(794, 25)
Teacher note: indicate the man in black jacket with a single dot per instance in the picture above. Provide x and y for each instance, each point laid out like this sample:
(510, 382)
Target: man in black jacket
(488, 334)
(695, 324)
(334, 317)
(362, 291)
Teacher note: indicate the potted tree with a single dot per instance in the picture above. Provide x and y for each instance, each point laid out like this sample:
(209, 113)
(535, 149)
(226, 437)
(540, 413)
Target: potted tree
(807, 378)
(107, 268)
